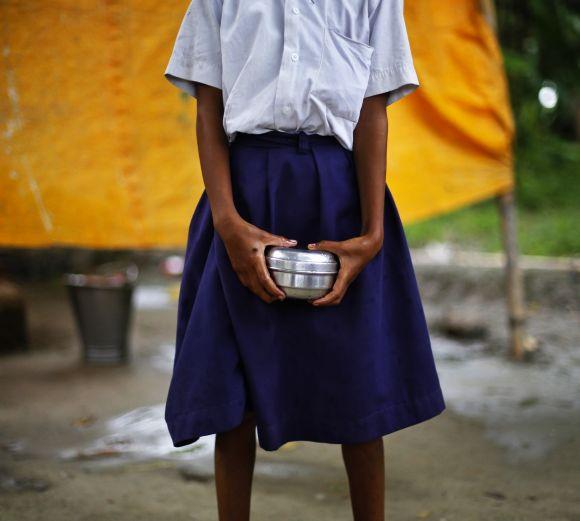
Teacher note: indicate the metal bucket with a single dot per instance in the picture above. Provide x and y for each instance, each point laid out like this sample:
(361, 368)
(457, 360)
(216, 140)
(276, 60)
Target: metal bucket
(102, 306)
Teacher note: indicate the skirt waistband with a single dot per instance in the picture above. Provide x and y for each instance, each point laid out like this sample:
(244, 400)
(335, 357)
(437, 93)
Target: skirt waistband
(276, 138)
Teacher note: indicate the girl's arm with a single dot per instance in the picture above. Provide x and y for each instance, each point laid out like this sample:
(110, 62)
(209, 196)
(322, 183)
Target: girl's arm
(244, 242)
(370, 152)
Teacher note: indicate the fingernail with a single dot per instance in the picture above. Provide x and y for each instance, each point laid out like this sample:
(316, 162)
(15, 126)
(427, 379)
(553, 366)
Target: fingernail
(293, 241)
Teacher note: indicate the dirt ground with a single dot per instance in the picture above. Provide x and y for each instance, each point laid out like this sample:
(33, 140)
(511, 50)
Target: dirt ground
(88, 443)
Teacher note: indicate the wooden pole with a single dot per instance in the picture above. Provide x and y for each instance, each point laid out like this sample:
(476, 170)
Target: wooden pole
(513, 272)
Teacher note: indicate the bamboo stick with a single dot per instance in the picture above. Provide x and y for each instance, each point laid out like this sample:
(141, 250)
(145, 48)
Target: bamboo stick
(513, 275)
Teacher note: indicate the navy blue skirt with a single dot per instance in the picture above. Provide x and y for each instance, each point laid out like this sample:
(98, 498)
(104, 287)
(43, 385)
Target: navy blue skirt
(342, 374)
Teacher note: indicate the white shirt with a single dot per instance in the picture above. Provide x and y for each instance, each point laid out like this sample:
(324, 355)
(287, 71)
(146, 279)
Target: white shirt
(293, 65)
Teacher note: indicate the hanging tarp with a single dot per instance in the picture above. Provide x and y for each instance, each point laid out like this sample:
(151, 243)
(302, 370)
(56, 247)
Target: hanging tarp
(98, 149)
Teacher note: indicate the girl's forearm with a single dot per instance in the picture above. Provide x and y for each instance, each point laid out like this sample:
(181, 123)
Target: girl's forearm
(370, 147)
(213, 149)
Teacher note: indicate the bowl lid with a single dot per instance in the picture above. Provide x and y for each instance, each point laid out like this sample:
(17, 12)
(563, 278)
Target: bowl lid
(301, 261)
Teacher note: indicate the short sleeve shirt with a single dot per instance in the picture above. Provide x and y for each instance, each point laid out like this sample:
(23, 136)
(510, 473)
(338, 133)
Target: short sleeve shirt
(294, 65)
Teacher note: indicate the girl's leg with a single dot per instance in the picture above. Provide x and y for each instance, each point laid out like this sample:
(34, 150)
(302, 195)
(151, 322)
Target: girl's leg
(235, 455)
(365, 467)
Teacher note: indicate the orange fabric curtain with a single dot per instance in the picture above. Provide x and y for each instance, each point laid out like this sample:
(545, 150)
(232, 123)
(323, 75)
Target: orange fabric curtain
(99, 150)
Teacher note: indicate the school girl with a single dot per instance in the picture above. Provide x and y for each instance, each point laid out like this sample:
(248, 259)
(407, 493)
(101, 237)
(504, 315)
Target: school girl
(292, 135)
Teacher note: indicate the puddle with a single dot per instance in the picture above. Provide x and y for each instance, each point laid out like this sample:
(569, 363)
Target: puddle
(527, 408)
(141, 435)
(137, 435)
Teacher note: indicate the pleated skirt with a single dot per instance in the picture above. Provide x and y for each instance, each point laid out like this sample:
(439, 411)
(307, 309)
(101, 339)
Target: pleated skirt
(343, 374)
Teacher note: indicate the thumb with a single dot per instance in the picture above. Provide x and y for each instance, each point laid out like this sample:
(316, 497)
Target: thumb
(331, 246)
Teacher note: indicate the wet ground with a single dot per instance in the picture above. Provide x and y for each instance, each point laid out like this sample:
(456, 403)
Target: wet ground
(89, 443)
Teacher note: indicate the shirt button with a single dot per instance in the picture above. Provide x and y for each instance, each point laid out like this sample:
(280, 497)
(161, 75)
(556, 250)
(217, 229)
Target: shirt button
(295, 10)
(287, 109)
(294, 57)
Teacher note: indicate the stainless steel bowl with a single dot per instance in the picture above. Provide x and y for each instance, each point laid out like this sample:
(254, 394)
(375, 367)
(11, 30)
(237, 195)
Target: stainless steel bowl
(302, 274)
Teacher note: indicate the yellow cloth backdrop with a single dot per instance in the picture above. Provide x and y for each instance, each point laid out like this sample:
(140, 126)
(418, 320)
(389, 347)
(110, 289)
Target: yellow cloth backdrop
(98, 149)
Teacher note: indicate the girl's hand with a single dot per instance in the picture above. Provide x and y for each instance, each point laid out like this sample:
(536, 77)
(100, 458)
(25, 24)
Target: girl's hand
(354, 254)
(246, 244)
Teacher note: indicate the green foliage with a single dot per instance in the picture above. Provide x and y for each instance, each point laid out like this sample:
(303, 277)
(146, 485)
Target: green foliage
(548, 174)
(541, 43)
(549, 232)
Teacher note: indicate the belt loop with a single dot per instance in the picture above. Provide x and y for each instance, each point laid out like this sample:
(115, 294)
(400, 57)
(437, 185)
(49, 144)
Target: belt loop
(303, 143)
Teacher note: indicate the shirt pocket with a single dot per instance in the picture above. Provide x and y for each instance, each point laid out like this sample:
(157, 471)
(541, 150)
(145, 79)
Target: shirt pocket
(343, 75)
